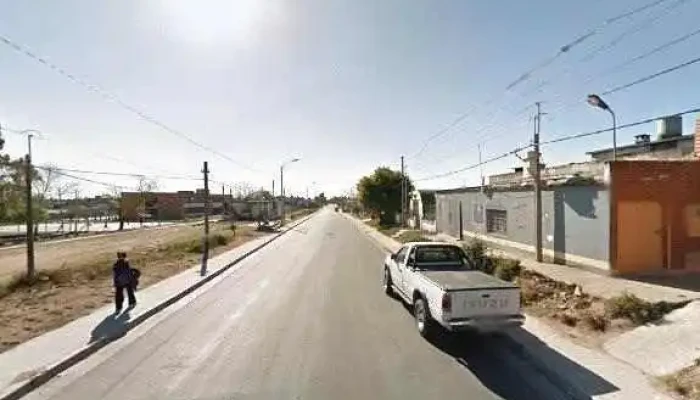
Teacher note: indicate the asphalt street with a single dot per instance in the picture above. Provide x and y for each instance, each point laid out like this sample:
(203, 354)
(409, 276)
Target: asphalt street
(305, 318)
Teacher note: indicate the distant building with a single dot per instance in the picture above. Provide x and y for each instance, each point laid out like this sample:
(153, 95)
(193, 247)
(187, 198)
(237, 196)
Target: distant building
(191, 204)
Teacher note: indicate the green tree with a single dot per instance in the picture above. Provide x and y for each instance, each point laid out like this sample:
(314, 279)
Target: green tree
(12, 189)
(380, 193)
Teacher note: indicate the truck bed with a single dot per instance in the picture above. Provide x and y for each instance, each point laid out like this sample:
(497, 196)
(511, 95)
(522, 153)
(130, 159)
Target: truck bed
(466, 280)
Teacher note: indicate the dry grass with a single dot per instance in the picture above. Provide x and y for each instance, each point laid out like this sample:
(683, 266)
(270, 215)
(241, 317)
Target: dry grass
(58, 296)
(685, 383)
(412, 236)
(56, 255)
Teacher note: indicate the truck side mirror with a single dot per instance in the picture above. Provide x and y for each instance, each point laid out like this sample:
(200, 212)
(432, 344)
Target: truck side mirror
(410, 262)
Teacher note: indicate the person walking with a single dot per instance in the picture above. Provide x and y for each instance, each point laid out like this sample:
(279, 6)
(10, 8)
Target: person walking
(124, 279)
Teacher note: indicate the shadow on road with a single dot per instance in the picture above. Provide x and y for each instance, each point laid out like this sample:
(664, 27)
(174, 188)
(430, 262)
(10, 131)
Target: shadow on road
(503, 366)
(112, 326)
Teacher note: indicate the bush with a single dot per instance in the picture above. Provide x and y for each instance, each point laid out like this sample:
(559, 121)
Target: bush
(639, 311)
(595, 321)
(477, 251)
(507, 268)
(412, 236)
(569, 319)
(214, 241)
(220, 240)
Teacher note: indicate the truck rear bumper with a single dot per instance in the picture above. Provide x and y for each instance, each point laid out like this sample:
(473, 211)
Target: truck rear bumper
(484, 323)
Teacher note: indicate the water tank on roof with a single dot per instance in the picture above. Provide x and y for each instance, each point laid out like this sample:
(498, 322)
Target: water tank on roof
(669, 127)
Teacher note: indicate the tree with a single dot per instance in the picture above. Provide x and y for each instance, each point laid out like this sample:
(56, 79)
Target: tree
(13, 186)
(380, 193)
(320, 199)
(145, 187)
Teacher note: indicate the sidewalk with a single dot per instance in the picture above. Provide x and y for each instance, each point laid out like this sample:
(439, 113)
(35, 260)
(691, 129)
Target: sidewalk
(586, 373)
(599, 285)
(32, 363)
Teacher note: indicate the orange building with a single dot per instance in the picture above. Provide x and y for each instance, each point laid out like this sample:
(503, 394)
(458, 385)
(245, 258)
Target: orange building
(655, 210)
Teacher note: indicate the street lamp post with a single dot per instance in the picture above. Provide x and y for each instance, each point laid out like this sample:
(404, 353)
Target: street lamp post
(293, 160)
(596, 101)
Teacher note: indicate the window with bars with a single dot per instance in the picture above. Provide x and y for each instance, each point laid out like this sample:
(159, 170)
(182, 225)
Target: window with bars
(496, 221)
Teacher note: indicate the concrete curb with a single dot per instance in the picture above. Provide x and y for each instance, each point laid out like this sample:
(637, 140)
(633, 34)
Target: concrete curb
(90, 349)
(516, 345)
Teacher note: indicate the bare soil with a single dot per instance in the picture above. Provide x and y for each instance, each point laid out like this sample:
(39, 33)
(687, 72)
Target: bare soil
(52, 255)
(580, 316)
(71, 290)
(684, 384)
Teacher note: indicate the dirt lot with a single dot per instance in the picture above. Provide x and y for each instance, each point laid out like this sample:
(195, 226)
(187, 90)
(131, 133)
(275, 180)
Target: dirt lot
(75, 281)
(52, 255)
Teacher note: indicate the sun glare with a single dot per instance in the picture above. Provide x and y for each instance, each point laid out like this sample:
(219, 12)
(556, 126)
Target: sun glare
(213, 22)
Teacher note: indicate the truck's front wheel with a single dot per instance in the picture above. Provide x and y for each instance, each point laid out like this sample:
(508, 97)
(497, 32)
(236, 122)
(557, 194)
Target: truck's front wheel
(424, 322)
(388, 289)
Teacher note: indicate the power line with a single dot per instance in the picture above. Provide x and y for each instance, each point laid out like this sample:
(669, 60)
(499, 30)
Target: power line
(474, 166)
(637, 28)
(80, 178)
(528, 74)
(580, 39)
(627, 63)
(134, 175)
(652, 76)
(116, 100)
(630, 125)
(552, 141)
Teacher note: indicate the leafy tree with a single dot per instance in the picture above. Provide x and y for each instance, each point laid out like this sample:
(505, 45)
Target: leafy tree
(13, 187)
(380, 193)
(320, 199)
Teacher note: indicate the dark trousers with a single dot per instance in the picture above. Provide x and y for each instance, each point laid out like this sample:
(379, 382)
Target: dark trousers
(119, 295)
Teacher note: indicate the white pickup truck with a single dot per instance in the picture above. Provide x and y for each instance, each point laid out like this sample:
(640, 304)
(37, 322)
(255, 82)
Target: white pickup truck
(439, 282)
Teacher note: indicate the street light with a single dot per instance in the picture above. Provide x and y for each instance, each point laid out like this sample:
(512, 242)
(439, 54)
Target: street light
(293, 160)
(596, 101)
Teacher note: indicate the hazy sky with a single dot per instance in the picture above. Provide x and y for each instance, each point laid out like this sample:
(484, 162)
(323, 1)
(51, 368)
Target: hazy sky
(345, 85)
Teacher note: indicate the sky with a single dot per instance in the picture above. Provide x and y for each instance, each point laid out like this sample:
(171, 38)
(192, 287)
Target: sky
(343, 85)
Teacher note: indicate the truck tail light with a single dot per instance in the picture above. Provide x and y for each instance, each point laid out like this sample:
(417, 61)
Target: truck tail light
(446, 302)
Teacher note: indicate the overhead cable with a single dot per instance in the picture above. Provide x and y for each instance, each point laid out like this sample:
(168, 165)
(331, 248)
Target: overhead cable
(116, 100)
(552, 141)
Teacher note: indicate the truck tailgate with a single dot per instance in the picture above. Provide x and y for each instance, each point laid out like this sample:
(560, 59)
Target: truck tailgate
(493, 302)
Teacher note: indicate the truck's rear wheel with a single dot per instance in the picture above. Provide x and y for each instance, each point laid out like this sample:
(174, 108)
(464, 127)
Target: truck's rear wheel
(424, 321)
(386, 283)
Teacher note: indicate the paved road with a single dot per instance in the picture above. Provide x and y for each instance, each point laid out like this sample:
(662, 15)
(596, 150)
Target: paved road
(303, 319)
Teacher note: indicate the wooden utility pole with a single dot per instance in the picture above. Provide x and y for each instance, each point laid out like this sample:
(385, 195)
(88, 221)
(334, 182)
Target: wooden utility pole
(207, 205)
(537, 185)
(403, 195)
(461, 223)
(31, 271)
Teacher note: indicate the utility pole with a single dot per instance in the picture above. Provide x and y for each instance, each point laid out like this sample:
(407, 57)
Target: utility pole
(403, 195)
(273, 188)
(207, 204)
(538, 185)
(223, 199)
(31, 271)
(481, 169)
(282, 194)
